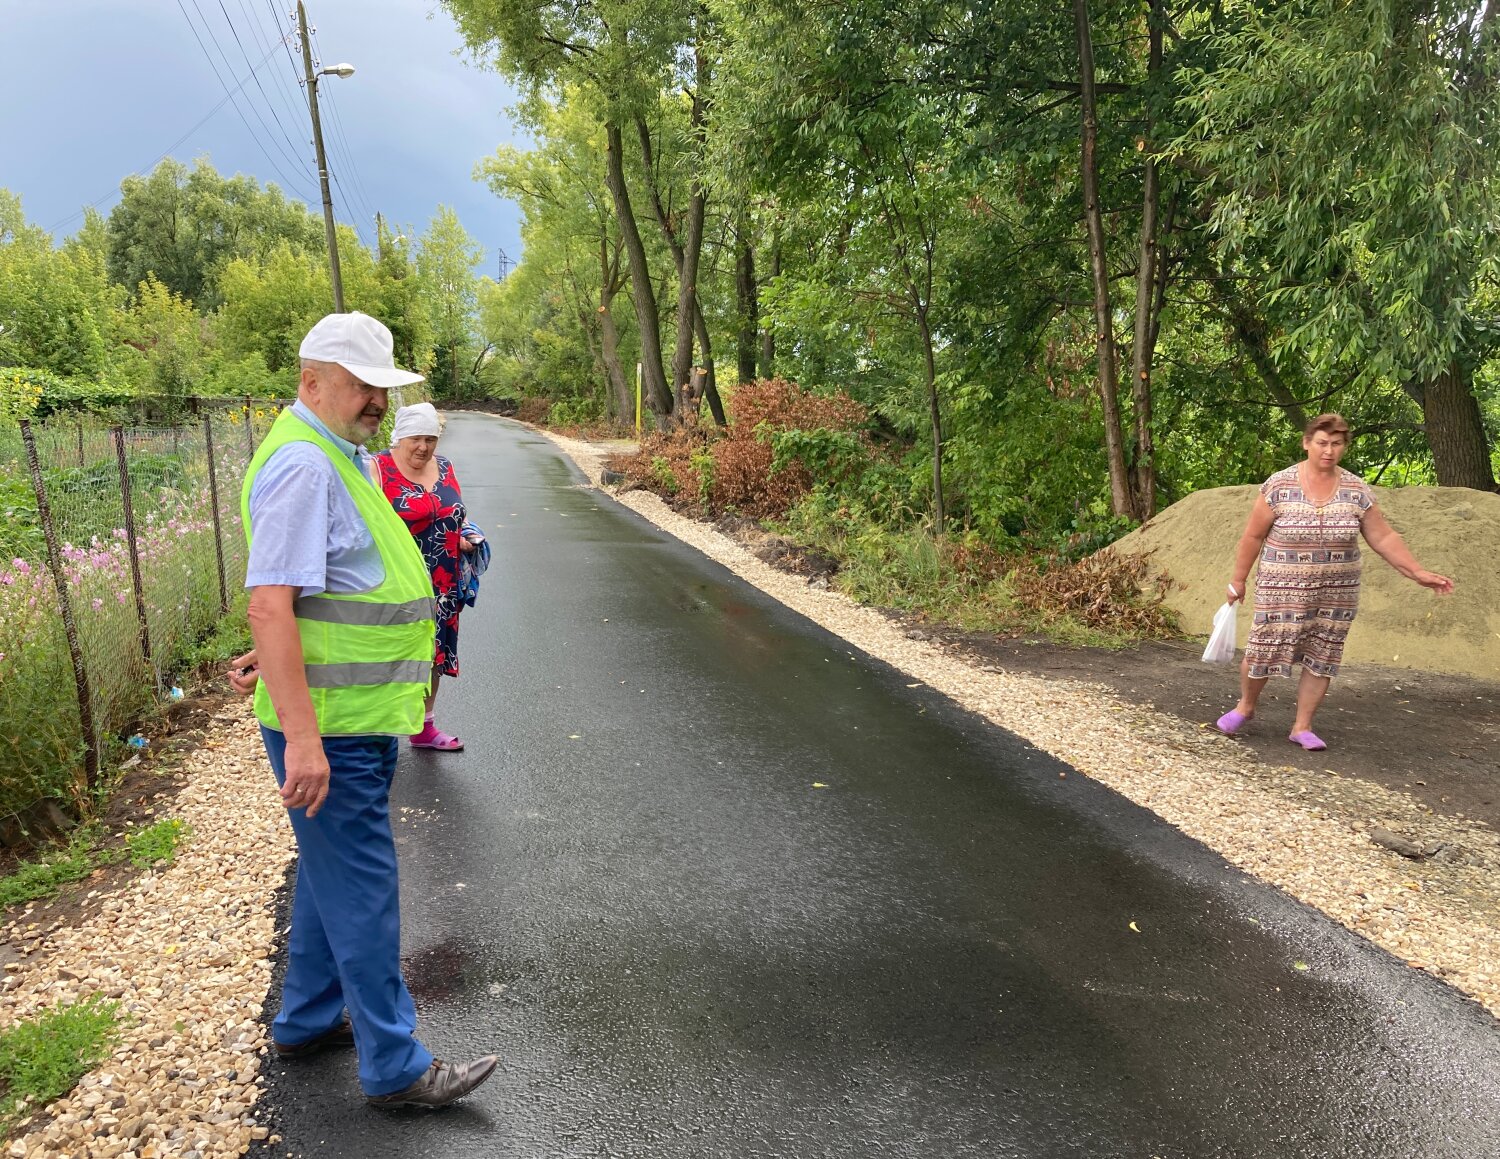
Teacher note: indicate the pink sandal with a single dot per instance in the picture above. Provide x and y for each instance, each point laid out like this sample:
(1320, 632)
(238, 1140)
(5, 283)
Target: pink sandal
(433, 737)
(1309, 740)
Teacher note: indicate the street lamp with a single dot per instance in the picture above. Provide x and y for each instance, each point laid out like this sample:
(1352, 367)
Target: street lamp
(339, 70)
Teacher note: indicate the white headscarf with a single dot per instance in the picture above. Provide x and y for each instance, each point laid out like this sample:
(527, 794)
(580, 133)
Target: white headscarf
(418, 419)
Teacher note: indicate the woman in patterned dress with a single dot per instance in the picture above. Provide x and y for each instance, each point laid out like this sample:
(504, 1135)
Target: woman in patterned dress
(1305, 528)
(423, 489)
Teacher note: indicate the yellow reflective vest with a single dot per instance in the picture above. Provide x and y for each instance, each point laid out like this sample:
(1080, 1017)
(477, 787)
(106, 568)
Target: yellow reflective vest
(369, 655)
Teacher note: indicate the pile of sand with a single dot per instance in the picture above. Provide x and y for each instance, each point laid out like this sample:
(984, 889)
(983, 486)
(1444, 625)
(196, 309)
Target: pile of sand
(1451, 530)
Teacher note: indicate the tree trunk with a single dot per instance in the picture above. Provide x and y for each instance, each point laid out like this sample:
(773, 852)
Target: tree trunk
(619, 385)
(687, 312)
(747, 313)
(609, 338)
(1455, 431)
(658, 396)
(1119, 479)
(710, 382)
(767, 337)
(1149, 281)
(935, 413)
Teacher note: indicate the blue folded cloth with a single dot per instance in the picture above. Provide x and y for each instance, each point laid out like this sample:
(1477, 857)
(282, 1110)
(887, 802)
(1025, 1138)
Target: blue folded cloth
(472, 564)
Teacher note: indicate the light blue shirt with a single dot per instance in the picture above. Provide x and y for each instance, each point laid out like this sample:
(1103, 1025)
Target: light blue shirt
(308, 533)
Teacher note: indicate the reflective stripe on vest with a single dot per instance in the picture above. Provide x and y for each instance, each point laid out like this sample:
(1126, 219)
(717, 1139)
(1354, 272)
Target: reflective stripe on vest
(363, 673)
(330, 611)
(367, 655)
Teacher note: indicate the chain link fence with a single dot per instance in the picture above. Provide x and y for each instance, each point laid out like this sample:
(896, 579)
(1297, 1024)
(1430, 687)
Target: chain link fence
(120, 548)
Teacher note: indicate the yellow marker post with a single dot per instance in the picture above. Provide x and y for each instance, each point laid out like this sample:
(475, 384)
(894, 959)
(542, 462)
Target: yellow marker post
(637, 400)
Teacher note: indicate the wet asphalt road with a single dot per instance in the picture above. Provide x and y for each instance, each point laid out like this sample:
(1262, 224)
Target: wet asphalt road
(711, 883)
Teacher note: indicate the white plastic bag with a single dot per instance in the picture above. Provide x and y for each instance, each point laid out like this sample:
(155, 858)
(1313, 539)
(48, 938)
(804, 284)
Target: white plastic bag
(1220, 648)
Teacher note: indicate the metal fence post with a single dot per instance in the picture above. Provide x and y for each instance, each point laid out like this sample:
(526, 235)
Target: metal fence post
(249, 428)
(213, 494)
(135, 554)
(81, 462)
(64, 603)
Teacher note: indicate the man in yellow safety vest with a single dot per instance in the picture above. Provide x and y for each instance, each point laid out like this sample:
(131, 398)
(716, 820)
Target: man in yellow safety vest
(341, 616)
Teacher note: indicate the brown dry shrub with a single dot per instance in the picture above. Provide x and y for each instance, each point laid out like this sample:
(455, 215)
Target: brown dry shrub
(534, 410)
(785, 406)
(741, 478)
(1104, 591)
(664, 464)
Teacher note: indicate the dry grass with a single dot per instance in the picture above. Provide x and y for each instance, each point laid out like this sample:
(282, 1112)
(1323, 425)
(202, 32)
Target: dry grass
(1104, 592)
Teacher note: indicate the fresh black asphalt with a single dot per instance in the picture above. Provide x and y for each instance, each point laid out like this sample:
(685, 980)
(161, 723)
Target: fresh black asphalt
(713, 883)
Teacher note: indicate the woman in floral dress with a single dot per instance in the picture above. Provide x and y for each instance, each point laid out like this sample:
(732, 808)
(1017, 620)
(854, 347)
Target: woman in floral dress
(1305, 528)
(423, 489)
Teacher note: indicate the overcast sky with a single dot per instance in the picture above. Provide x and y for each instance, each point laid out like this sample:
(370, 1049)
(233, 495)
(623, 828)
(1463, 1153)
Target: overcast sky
(93, 90)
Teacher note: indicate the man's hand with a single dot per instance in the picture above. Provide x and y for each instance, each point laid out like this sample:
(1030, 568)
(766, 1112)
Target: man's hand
(244, 673)
(306, 783)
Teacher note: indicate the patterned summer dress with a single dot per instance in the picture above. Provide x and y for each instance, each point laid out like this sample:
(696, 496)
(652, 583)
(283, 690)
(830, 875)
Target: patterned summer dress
(1307, 586)
(434, 518)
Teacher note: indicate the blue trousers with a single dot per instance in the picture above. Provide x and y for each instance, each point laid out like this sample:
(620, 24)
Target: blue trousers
(344, 949)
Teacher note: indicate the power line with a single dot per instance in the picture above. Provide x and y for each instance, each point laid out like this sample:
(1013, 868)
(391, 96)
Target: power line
(248, 127)
(347, 158)
(348, 154)
(167, 152)
(297, 76)
(291, 154)
(274, 115)
(353, 219)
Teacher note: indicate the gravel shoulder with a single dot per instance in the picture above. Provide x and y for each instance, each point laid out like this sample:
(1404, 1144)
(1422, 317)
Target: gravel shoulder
(186, 952)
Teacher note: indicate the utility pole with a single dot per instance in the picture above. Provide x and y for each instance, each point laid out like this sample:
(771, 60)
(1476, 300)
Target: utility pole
(317, 127)
(379, 238)
(502, 264)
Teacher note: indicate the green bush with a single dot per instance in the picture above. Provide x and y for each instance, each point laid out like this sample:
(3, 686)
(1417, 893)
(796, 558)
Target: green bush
(665, 477)
(575, 412)
(70, 395)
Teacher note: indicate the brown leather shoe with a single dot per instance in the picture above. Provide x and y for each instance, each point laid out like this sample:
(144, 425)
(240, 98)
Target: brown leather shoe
(341, 1035)
(442, 1083)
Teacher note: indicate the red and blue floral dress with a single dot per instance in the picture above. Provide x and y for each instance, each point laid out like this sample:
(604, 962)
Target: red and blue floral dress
(435, 519)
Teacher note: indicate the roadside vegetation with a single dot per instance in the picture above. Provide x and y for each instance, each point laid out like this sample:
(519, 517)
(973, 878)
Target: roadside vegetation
(806, 467)
(87, 849)
(42, 1058)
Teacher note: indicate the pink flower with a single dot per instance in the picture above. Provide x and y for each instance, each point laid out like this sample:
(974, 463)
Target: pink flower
(96, 604)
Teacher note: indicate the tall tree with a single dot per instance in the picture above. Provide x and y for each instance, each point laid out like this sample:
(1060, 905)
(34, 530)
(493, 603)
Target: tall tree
(618, 52)
(446, 260)
(1347, 153)
(183, 226)
(569, 230)
(1093, 217)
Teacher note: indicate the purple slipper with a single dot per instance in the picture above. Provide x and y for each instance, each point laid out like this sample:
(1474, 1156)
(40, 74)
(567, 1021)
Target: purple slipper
(1309, 740)
(1231, 722)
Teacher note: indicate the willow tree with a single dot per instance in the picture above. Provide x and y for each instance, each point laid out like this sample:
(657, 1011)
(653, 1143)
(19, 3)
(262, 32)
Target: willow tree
(1348, 153)
(617, 54)
(569, 229)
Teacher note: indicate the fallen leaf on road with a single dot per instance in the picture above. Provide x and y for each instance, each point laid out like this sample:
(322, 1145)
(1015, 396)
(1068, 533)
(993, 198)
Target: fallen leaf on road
(1135, 927)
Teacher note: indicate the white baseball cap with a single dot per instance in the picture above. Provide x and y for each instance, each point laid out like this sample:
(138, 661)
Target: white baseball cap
(359, 344)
